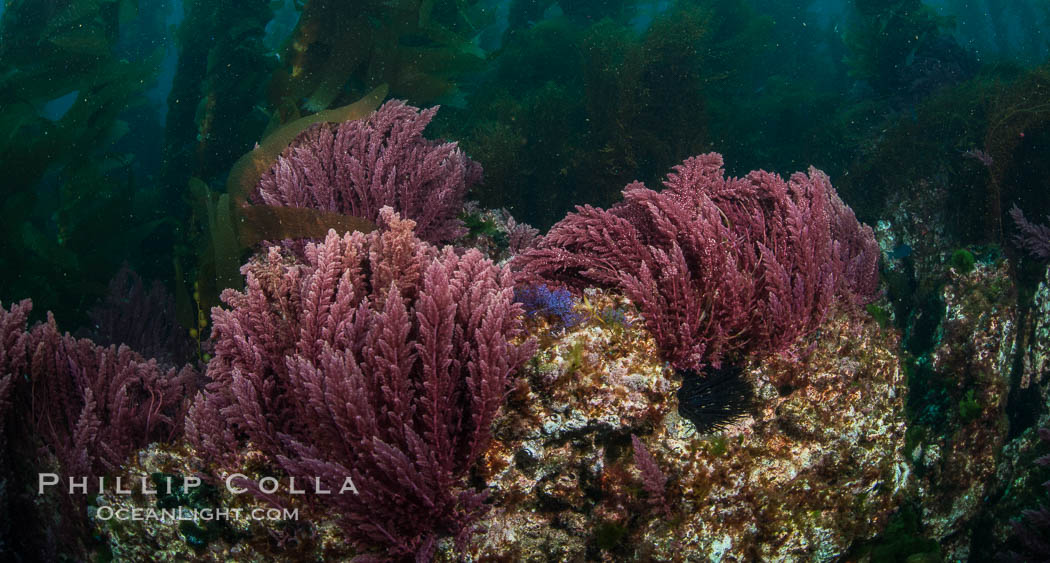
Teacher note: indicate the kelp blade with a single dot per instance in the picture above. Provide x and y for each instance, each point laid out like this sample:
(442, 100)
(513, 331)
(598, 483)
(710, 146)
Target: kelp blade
(256, 223)
(250, 167)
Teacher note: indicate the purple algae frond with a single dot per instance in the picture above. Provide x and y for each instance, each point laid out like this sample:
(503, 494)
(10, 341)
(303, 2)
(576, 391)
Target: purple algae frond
(140, 317)
(1032, 531)
(94, 405)
(979, 155)
(1031, 237)
(654, 480)
(379, 358)
(84, 406)
(717, 265)
(358, 167)
(14, 356)
(90, 405)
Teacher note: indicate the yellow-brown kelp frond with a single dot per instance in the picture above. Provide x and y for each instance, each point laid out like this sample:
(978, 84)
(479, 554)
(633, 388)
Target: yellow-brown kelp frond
(227, 226)
(340, 48)
(249, 168)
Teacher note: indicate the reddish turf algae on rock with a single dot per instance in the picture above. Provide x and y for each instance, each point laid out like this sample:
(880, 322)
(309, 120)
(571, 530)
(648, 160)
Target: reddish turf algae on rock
(817, 466)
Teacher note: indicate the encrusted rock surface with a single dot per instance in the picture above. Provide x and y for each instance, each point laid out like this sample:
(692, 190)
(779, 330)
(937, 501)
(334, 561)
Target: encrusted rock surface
(973, 356)
(1036, 357)
(962, 341)
(912, 234)
(240, 536)
(1018, 482)
(816, 467)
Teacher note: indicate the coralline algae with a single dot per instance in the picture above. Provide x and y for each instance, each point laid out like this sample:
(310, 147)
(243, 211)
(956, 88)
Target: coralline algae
(817, 466)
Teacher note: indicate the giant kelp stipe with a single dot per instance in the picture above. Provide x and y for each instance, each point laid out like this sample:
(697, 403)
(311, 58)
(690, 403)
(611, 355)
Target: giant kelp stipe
(544, 280)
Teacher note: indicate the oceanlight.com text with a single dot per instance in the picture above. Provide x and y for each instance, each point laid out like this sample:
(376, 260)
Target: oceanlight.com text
(173, 515)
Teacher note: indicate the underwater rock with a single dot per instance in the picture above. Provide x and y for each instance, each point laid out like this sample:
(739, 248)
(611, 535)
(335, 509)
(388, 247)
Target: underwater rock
(1036, 359)
(818, 465)
(955, 452)
(238, 537)
(1016, 487)
(1018, 482)
(959, 319)
(912, 234)
(495, 232)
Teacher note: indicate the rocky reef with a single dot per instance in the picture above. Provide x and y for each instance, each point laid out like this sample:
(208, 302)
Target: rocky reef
(1018, 483)
(957, 466)
(818, 465)
(841, 441)
(191, 529)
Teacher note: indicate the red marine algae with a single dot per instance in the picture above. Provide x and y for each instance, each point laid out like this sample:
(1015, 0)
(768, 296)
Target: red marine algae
(380, 358)
(718, 266)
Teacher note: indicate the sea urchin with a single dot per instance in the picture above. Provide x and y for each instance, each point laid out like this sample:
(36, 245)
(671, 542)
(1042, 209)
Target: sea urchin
(715, 398)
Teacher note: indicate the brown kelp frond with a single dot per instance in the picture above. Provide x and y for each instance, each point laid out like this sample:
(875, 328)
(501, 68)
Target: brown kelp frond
(229, 226)
(256, 223)
(247, 170)
(418, 47)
